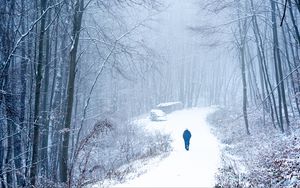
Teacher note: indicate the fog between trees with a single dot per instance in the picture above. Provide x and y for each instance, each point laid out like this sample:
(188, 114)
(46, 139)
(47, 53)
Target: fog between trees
(71, 71)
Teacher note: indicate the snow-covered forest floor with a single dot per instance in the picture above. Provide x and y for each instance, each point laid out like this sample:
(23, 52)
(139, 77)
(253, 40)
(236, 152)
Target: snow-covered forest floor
(181, 168)
(266, 158)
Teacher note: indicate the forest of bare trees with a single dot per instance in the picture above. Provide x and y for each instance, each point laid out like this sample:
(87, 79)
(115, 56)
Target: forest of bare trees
(44, 45)
(66, 64)
(267, 39)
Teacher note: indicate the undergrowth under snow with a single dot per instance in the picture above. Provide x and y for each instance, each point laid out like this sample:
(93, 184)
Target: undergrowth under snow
(266, 158)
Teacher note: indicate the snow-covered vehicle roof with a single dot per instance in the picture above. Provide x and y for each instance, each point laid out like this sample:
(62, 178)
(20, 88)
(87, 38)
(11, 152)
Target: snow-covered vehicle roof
(169, 107)
(169, 104)
(157, 115)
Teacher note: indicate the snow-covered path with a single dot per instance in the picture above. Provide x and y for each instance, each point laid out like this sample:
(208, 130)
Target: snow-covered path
(194, 168)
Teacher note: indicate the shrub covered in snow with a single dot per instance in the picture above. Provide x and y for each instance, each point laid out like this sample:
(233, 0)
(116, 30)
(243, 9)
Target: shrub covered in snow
(111, 145)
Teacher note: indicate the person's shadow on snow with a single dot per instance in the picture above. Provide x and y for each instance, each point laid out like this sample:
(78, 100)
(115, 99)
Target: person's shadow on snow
(187, 136)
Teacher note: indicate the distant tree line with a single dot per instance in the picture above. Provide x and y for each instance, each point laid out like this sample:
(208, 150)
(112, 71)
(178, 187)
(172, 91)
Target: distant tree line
(267, 40)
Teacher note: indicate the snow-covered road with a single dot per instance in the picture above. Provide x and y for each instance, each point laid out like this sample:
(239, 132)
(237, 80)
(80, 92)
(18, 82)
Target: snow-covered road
(194, 168)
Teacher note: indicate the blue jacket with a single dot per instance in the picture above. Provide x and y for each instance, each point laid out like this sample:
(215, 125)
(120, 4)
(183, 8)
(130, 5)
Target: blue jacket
(187, 135)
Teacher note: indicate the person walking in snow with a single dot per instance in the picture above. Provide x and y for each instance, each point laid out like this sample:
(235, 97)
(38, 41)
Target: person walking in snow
(187, 136)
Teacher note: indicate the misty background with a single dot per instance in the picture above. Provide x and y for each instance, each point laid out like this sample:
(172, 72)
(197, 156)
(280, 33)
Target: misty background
(76, 76)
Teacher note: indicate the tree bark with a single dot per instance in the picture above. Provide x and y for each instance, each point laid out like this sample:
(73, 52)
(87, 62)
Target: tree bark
(45, 112)
(245, 113)
(294, 21)
(36, 126)
(77, 19)
(278, 70)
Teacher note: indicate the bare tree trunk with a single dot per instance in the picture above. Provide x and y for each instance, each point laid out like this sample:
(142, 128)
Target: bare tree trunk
(45, 112)
(278, 71)
(245, 113)
(9, 125)
(265, 69)
(31, 54)
(36, 126)
(7, 100)
(79, 5)
(298, 4)
(289, 65)
(20, 150)
(2, 180)
(182, 86)
(50, 123)
(294, 21)
(242, 31)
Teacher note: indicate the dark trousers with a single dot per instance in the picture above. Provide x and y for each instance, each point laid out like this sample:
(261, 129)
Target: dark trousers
(187, 144)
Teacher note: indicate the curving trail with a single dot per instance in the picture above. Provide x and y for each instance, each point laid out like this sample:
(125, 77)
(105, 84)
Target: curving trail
(194, 168)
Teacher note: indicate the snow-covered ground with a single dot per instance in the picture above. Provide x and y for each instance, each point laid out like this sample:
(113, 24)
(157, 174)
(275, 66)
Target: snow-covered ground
(193, 168)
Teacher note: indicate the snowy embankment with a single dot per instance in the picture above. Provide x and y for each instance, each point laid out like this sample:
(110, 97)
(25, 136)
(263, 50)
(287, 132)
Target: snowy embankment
(266, 158)
(193, 168)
